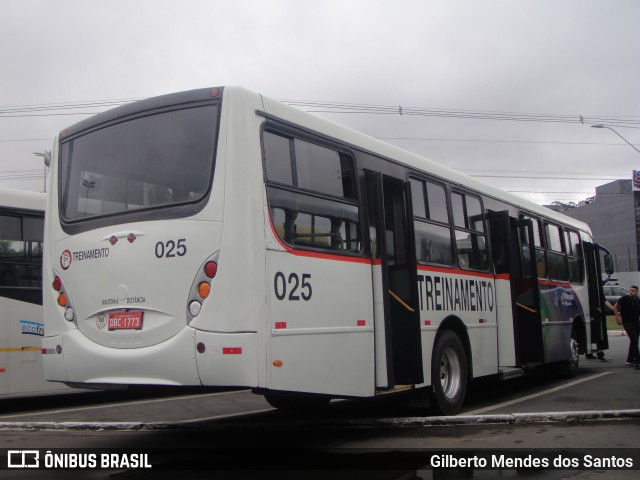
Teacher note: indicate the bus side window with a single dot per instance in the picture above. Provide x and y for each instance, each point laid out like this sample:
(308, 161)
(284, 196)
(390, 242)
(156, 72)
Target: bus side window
(431, 223)
(575, 259)
(541, 265)
(556, 258)
(311, 194)
(277, 158)
(21, 251)
(470, 235)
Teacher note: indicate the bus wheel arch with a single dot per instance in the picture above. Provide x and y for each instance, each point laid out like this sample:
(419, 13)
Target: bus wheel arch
(450, 367)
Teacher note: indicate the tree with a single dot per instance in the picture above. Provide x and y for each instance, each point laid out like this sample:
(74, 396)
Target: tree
(563, 207)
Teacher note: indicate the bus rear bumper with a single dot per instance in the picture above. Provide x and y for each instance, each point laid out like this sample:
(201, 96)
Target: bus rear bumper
(192, 357)
(72, 358)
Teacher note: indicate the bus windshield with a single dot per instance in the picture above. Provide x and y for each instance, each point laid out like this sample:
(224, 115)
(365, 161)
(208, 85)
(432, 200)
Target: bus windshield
(151, 161)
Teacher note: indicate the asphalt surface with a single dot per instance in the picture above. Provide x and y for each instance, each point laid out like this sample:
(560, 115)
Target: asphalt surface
(237, 434)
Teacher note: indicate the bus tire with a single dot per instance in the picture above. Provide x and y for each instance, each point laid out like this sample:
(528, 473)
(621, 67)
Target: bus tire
(295, 402)
(448, 374)
(570, 367)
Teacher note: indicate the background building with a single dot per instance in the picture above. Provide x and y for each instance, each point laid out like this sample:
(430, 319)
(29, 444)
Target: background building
(614, 217)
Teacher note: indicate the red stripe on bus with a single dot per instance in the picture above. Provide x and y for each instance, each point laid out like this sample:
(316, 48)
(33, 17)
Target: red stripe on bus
(456, 271)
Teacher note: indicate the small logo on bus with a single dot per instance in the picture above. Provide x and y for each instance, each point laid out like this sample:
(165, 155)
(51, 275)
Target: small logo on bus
(32, 328)
(65, 259)
(101, 322)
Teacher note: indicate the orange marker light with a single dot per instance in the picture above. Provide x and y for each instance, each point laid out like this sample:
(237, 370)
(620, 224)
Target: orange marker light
(204, 289)
(278, 363)
(62, 300)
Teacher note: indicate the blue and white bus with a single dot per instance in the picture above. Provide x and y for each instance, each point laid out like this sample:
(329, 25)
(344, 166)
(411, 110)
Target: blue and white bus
(219, 238)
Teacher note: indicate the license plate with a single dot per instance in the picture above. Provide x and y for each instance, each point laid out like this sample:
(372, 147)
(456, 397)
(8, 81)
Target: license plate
(125, 321)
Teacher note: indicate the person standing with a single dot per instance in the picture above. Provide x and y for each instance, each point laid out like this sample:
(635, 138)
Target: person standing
(629, 308)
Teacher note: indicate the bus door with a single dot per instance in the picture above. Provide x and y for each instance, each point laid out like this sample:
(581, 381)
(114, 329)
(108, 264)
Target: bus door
(596, 297)
(398, 344)
(517, 259)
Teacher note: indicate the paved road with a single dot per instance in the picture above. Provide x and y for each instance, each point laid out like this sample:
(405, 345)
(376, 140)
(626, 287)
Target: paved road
(598, 387)
(240, 429)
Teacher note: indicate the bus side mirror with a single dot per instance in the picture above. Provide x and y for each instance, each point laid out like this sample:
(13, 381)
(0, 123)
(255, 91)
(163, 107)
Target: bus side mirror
(608, 264)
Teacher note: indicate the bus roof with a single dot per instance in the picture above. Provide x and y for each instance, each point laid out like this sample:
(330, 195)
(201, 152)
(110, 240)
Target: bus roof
(23, 199)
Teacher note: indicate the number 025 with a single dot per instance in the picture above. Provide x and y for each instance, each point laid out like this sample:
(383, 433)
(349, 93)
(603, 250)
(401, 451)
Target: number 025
(292, 287)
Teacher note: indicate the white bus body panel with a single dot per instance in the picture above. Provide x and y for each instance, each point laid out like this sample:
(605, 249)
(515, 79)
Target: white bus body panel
(230, 359)
(382, 376)
(467, 296)
(325, 343)
(171, 362)
(506, 334)
(134, 276)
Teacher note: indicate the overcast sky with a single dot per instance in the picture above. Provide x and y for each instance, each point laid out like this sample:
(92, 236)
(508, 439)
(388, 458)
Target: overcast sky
(544, 59)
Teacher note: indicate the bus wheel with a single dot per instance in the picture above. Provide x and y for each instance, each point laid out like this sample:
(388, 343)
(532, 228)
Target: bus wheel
(296, 403)
(570, 367)
(448, 374)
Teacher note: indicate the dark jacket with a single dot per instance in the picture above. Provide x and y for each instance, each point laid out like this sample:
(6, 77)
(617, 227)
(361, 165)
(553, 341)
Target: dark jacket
(629, 308)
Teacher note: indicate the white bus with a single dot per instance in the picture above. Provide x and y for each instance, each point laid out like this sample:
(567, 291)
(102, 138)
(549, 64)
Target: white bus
(216, 237)
(21, 324)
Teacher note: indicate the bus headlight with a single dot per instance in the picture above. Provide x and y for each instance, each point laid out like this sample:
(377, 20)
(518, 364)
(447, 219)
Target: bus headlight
(194, 308)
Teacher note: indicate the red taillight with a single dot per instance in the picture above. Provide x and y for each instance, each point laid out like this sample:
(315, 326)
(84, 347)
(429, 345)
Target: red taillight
(210, 269)
(57, 284)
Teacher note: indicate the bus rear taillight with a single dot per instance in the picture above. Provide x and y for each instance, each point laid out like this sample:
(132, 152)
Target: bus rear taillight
(63, 298)
(210, 269)
(204, 289)
(202, 286)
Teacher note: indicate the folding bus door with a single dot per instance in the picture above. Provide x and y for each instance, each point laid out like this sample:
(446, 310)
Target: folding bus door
(596, 297)
(393, 245)
(517, 261)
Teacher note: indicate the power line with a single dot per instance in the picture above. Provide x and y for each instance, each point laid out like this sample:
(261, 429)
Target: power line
(495, 141)
(532, 171)
(65, 106)
(53, 109)
(350, 108)
(545, 191)
(8, 140)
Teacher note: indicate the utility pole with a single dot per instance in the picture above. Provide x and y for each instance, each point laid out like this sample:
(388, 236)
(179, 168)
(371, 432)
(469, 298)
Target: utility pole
(46, 156)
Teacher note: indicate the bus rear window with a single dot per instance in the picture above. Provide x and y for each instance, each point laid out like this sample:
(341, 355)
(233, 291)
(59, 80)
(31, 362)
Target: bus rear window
(146, 162)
